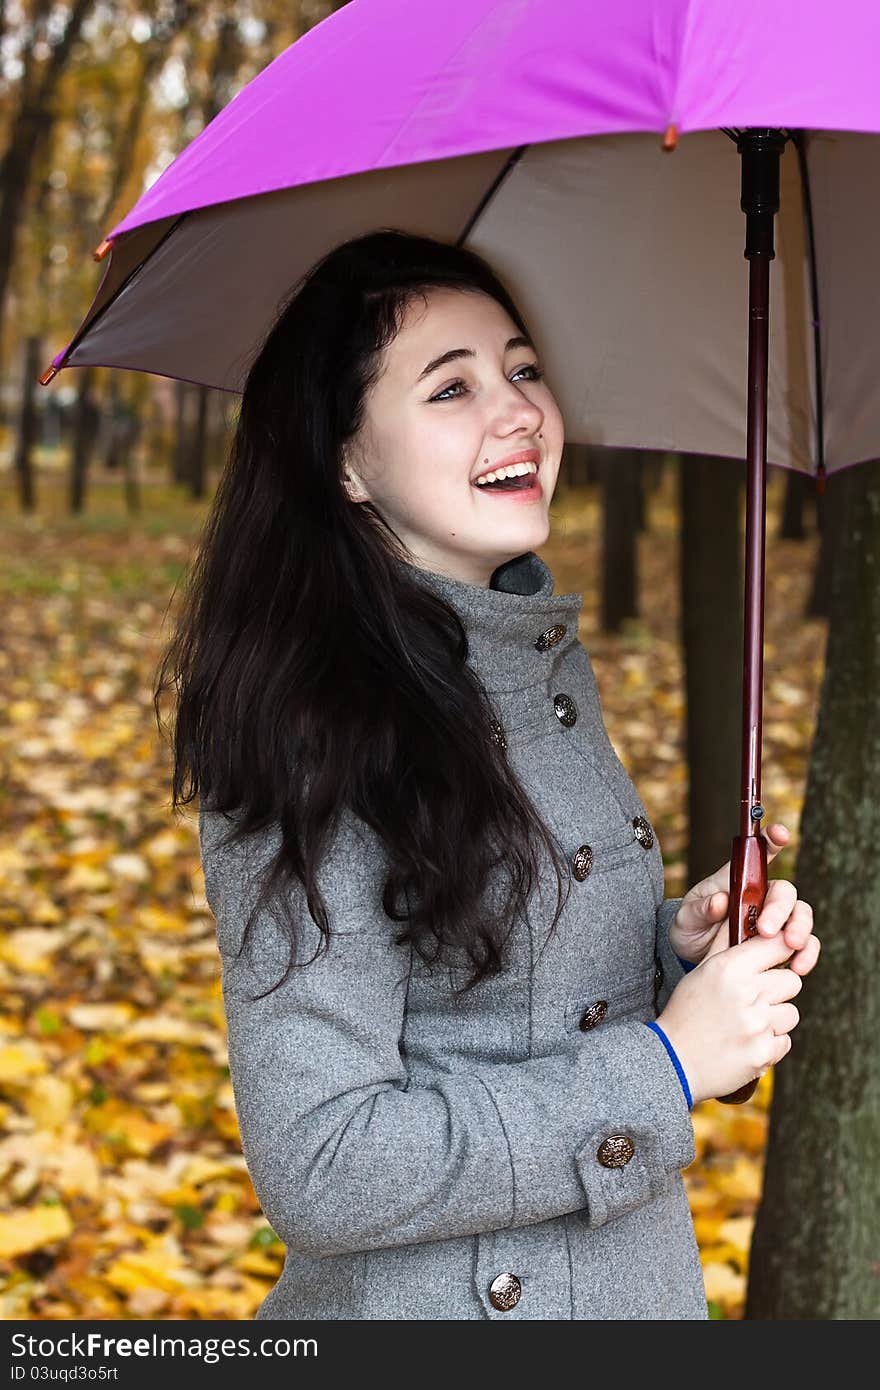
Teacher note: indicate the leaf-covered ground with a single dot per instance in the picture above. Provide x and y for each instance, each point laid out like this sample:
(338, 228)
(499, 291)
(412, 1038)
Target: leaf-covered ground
(123, 1191)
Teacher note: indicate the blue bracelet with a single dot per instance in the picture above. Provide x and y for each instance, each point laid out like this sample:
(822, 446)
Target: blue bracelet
(675, 1062)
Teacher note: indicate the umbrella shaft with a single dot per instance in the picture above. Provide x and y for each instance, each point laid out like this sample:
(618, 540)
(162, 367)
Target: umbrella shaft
(756, 491)
(748, 858)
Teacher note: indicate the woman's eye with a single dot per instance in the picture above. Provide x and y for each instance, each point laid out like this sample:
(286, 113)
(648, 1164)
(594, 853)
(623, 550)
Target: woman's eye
(537, 373)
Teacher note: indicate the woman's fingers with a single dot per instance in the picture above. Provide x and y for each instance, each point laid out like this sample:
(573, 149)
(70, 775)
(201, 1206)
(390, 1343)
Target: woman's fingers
(779, 903)
(784, 1017)
(803, 960)
(780, 984)
(778, 837)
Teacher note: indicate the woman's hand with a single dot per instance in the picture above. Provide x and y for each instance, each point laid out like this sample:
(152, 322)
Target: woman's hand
(701, 927)
(731, 1018)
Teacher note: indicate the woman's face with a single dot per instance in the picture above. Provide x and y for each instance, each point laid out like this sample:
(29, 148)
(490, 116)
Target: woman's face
(428, 434)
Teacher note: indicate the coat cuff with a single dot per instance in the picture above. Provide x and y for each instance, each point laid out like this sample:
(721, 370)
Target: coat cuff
(675, 1059)
(672, 968)
(623, 1103)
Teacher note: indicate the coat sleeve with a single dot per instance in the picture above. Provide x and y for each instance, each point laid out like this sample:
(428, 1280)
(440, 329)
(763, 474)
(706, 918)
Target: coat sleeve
(346, 1154)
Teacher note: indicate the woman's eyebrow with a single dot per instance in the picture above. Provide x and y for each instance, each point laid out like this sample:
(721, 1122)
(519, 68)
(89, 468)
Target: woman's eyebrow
(455, 353)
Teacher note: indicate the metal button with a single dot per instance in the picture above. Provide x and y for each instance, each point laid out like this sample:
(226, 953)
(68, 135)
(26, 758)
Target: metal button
(582, 862)
(593, 1014)
(615, 1151)
(644, 833)
(505, 1291)
(498, 733)
(566, 709)
(551, 637)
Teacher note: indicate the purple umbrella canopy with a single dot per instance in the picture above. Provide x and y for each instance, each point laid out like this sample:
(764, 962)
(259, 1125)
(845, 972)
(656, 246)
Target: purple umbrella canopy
(582, 148)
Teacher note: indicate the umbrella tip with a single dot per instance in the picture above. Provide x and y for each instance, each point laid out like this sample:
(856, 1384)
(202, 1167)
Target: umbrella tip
(100, 251)
(670, 139)
(45, 377)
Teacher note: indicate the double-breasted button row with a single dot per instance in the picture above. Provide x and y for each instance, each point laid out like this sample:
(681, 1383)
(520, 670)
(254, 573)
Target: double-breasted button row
(505, 1291)
(582, 860)
(564, 705)
(615, 1151)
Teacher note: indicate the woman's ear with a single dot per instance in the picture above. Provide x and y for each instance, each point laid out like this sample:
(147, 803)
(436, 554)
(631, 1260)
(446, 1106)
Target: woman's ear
(352, 483)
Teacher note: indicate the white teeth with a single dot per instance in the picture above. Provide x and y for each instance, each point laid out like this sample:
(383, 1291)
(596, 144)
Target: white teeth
(513, 470)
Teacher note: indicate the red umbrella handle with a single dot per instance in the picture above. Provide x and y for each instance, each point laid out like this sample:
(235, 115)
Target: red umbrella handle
(748, 889)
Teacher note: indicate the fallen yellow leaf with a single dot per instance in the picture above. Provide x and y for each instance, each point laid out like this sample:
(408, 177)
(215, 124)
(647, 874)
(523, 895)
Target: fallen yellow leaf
(49, 1101)
(22, 1231)
(18, 1061)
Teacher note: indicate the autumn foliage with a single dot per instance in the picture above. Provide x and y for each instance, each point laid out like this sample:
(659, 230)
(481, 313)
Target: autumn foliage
(123, 1191)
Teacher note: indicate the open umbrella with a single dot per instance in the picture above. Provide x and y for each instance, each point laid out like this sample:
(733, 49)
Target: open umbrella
(528, 130)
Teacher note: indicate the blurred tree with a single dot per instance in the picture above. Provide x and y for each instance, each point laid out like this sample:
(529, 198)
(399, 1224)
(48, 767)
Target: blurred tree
(620, 474)
(711, 576)
(800, 496)
(816, 1242)
(31, 112)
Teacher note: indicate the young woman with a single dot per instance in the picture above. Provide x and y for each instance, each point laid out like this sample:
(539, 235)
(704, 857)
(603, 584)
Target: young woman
(464, 1037)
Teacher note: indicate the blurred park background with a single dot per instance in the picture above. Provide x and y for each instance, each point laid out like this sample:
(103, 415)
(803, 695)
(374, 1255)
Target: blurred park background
(123, 1191)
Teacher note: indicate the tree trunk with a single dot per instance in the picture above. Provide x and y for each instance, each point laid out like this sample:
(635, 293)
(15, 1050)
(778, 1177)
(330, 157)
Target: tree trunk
(829, 508)
(27, 423)
(800, 493)
(712, 640)
(85, 430)
(112, 410)
(178, 462)
(640, 504)
(619, 473)
(30, 125)
(198, 445)
(816, 1244)
(132, 482)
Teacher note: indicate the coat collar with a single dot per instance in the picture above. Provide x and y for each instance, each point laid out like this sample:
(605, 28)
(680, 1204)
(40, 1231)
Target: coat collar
(503, 622)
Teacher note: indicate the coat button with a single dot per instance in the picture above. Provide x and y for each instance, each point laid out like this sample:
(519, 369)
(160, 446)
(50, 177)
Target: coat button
(504, 1291)
(566, 709)
(582, 862)
(615, 1151)
(643, 832)
(593, 1014)
(551, 637)
(498, 733)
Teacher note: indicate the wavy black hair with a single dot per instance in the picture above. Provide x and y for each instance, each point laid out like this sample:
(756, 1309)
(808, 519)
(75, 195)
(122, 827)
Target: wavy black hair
(382, 716)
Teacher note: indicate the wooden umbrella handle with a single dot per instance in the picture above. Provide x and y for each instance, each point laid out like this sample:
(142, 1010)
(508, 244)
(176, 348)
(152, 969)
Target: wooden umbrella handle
(748, 889)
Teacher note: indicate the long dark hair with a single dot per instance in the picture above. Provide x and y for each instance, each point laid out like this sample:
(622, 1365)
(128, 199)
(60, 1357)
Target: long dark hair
(313, 674)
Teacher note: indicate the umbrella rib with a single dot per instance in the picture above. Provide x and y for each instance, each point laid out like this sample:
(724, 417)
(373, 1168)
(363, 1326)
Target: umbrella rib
(502, 174)
(89, 323)
(797, 138)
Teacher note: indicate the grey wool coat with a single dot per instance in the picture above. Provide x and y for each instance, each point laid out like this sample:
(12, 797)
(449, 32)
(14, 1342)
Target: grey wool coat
(512, 1153)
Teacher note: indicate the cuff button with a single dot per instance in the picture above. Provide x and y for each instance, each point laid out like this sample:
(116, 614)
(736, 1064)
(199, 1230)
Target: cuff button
(615, 1151)
(504, 1292)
